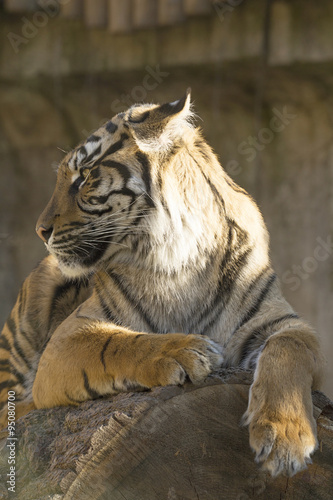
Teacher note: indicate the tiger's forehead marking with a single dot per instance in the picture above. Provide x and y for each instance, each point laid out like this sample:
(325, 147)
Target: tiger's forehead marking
(86, 153)
(111, 127)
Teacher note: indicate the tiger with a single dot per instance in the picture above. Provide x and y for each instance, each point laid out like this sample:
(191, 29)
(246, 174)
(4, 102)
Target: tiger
(159, 272)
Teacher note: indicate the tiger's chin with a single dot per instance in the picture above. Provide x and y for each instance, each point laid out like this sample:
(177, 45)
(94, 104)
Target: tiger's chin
(73, 270)
(80, 263)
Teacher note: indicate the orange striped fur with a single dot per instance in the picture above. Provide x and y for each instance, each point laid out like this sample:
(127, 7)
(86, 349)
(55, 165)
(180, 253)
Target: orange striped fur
(159, 270)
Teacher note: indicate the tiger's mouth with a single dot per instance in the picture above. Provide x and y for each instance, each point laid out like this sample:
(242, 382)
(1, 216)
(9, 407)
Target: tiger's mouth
(80, 255)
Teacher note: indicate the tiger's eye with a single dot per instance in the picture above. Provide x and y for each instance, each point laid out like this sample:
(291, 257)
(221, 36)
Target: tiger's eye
(85, 172)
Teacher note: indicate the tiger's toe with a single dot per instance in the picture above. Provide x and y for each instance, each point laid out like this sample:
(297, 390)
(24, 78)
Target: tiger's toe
(199, 357)
(282, 447)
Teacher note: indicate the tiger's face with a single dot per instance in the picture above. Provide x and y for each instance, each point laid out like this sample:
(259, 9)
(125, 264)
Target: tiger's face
(103, 195)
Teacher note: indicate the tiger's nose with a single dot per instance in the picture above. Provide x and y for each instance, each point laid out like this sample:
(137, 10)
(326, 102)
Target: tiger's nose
(44, 233)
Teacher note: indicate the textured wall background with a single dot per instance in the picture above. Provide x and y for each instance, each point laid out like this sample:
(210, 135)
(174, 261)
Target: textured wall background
(272, 128)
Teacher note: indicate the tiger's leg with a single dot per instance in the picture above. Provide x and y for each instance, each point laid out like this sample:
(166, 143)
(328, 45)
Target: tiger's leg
(280, 412)
(18, 360)
(87, 359)
(45, 299)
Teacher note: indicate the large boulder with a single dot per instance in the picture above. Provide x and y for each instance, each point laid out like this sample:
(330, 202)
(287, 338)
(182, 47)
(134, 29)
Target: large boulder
(172, 443)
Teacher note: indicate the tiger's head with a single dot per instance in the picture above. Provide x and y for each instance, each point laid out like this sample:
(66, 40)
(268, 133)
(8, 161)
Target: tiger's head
(108, 189)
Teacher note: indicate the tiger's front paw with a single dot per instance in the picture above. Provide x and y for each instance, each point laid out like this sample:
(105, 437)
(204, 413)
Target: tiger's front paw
(281, 444)
(194, 356)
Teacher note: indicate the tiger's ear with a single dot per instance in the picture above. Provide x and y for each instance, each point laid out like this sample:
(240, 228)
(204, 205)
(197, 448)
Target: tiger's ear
(157, 128)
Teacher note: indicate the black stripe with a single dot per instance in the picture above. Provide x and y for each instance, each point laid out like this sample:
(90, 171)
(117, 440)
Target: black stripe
(91, 392)
(254, 283)
(75, 162)
(218, 197)
(224, 299)
(17, 374)
(233, 260)
(122, 169)
(93, 138)
(73, 188)
(83, 152)
(113, 148)
(204, 150)
(141, 118)
(26, 337)
(59, 292)
(134, 302)
(215, 192)
(255, 308)
(21, 301)
(4, 363)
(261, 332)
(235, 186)
(160, 188)
(103, 199)
(111, 127)
(106, 310)
(12, 328)
(4, 343)
(92, 155)
(11, 325)
(143, 159)
(94, 211)
(95, 184)
(105, 346)
(7, 384)
(21, 353)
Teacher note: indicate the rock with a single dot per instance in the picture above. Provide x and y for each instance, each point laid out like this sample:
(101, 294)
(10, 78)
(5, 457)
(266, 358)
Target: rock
(170, 443)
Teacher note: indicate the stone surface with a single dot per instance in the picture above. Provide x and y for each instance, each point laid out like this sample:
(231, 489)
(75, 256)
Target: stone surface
(170, 443)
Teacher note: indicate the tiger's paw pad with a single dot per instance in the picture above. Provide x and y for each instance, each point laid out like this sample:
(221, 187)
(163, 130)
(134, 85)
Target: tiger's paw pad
(282, 447)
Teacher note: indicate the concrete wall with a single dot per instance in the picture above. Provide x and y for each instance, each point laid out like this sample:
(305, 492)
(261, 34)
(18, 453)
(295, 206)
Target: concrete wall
(63, 81)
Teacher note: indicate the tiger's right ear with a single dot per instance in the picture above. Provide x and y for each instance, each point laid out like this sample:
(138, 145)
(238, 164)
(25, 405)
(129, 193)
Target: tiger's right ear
(156, 128)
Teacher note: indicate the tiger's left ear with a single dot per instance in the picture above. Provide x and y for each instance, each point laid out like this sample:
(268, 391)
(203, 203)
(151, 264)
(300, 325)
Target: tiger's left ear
(157, 128)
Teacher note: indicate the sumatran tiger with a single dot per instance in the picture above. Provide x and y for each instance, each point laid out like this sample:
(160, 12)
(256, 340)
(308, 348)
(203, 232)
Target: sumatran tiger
(159, 270)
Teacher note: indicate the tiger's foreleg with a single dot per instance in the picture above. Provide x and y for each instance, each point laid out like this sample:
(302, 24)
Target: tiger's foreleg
(280, 412)
(99, 359)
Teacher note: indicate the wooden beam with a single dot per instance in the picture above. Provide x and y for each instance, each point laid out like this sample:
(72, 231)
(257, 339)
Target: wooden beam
(20, 5)
(144, 13)
(170, 12)
(119, 16)
(197, 7)
(72, 9)
(95, 13)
